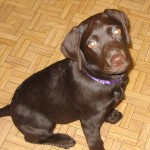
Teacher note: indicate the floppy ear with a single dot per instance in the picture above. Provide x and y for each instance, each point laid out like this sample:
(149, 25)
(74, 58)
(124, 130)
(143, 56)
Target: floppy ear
(70, 47)
(122, 18)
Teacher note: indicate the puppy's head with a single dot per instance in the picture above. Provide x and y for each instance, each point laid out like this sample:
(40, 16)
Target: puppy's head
(100, 43)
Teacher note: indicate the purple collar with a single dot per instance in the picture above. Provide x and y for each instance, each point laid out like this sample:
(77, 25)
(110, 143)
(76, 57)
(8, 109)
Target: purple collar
(105, 82)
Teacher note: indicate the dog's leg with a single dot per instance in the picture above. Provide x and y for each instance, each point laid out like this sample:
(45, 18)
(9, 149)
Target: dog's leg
(36, 133)
(91, 129)
(38, 129)
(45, 136)
(113, 117)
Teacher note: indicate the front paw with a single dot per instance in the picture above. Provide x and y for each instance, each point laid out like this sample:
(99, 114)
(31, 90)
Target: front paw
(113, 117)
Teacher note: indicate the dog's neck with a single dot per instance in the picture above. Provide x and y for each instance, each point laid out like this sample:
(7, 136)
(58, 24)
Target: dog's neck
(103, 78)
(105, 82)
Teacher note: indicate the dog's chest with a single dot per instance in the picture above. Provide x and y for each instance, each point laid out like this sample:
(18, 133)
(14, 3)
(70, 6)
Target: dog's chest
(110, 96)
(104, 95)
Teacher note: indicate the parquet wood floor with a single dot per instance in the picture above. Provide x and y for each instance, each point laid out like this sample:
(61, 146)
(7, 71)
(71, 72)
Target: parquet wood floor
(31, 32)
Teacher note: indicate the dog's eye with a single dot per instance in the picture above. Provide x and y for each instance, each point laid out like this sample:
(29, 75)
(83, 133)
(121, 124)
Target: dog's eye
(116, 31)
(92, 44)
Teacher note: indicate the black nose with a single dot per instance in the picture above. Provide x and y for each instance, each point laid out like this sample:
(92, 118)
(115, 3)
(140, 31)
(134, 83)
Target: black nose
(117, 60)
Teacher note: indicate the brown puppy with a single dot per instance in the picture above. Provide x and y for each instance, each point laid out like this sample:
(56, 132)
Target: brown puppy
(86, 86)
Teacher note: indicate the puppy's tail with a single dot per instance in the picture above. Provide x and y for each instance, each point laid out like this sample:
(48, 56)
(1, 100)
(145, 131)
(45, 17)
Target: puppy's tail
(5, 111)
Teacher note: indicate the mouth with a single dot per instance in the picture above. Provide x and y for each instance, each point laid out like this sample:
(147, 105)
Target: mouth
(116, 70)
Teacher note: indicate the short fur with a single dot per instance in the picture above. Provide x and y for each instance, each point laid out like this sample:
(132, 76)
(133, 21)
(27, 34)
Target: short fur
(63, 92)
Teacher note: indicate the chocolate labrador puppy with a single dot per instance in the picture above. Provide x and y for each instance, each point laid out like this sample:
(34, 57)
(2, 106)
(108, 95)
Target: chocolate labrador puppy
(86, 86)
